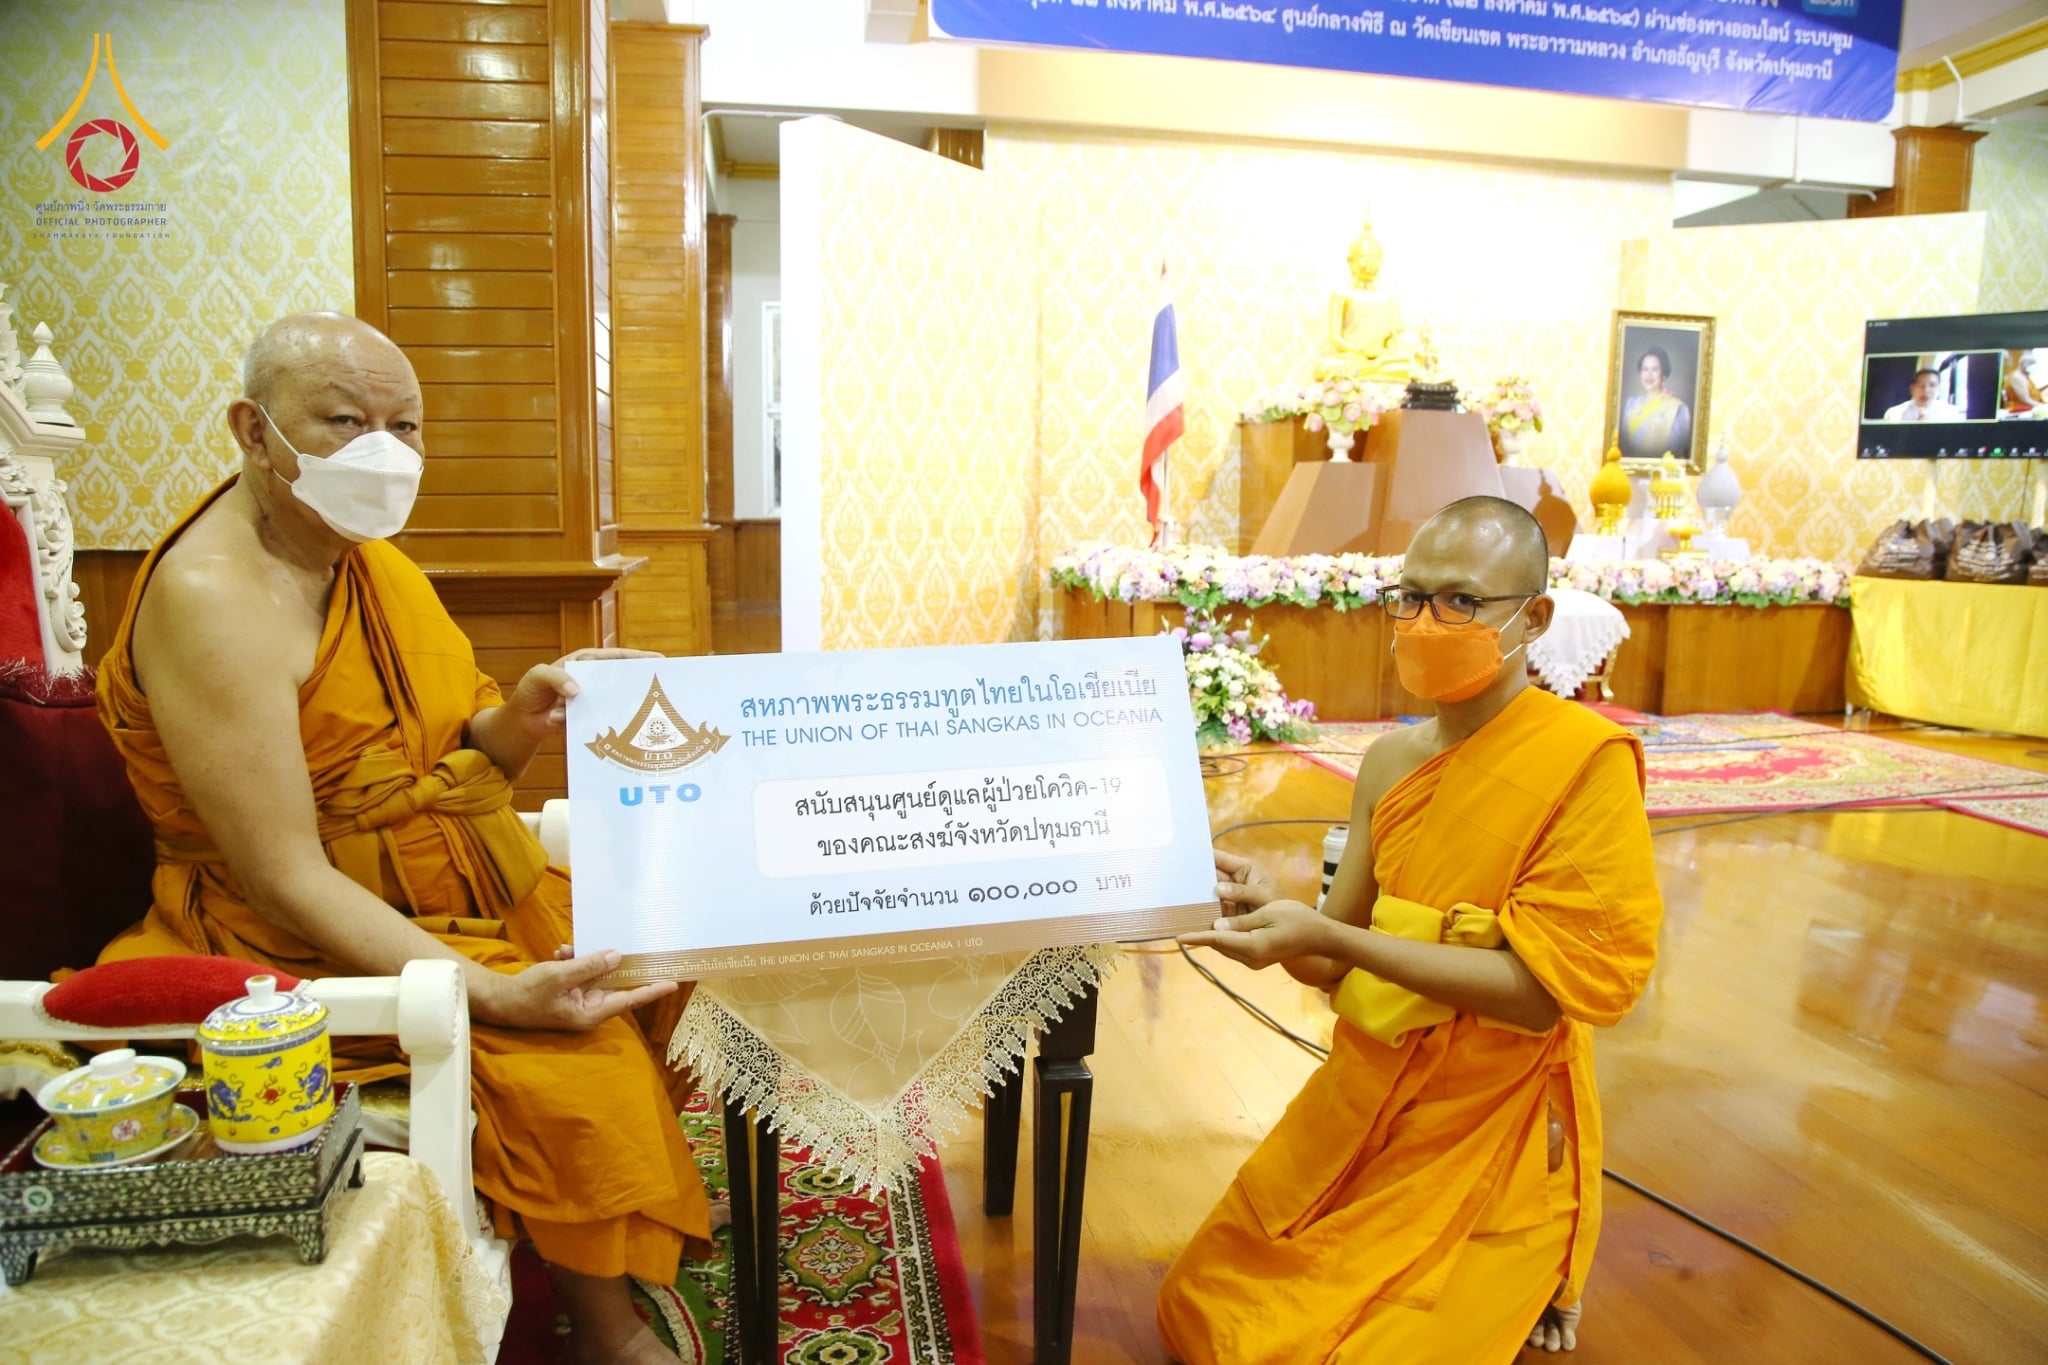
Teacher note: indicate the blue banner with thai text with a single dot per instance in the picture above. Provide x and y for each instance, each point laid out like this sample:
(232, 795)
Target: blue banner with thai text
(1826, 58)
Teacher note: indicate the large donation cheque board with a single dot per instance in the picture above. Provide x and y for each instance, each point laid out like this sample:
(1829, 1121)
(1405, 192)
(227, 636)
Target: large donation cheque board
(751, 813)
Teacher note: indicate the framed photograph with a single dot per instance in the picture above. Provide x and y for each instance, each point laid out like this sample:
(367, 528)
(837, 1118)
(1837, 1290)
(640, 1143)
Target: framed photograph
(1660, 381)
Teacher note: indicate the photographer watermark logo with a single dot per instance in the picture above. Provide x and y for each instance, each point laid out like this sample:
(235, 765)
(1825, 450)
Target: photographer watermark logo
(658, 739)
(87, 164)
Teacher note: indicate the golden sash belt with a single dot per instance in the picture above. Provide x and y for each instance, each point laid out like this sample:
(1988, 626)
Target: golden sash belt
(1387, 1012)
(493, 851)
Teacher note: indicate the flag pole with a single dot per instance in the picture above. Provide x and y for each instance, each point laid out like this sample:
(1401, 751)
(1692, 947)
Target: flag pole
(1164, 418)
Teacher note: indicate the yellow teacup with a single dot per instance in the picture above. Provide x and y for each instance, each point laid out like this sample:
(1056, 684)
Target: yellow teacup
(269, 1070)
(117, 1107)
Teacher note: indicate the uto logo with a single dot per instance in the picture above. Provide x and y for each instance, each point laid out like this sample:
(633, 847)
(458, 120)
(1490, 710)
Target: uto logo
(114, 172)
(658, 739)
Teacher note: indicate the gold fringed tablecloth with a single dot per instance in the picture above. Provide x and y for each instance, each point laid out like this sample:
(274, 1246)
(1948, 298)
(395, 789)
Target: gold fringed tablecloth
(399, 1285)
(869, 1067)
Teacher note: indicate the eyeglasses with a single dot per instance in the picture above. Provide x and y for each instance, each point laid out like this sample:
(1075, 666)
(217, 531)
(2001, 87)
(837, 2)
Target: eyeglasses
(1451, 608)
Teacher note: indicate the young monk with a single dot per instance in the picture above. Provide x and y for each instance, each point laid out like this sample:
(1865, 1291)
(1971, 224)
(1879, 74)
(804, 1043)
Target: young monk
(330, 779)
(1434, 1190)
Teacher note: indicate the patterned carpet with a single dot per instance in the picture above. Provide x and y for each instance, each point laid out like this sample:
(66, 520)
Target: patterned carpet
(865, 1280)
(2029, 813)
(1713, 765)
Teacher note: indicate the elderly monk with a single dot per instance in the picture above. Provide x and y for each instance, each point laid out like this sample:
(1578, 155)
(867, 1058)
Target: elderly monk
(329, 777)
(1432, 1194)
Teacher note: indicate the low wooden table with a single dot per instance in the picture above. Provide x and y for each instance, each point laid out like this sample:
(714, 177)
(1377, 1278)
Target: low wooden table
(1063, 1092)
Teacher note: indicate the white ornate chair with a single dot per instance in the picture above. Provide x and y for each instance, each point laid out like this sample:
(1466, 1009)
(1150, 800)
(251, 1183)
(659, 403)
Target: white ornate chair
(35, 431)
(424, 1007)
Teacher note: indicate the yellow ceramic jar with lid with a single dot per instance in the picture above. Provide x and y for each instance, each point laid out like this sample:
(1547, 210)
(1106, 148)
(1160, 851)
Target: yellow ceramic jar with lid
(117, 1107)
(269, 1070)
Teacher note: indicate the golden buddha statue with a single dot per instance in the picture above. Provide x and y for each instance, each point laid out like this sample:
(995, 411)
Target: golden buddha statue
(1368, 340)
(1611, 493)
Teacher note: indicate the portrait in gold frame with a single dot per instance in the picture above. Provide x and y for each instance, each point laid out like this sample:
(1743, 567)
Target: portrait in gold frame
(1649, 414)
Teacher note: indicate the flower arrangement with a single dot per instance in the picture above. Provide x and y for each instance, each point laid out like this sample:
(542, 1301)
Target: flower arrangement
(1344, 405)
(1202, 579)
(1511, 406)
(1710, 582)
(1236, 698)
(1341, 405)
(1277, 405)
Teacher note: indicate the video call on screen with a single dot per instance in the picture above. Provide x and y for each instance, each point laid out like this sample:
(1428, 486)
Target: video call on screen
(1973, 387)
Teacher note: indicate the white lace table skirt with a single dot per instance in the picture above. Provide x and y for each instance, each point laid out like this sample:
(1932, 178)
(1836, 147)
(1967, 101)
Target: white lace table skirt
(1583, 632)
(869, 1067)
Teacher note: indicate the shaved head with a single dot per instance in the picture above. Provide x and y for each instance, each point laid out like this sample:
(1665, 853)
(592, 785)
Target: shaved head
(1497, 544)
(319, 380)
(310, 348)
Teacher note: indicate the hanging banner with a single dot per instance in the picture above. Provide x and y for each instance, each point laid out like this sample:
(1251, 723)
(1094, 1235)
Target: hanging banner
(1827, 58)
(751, 813)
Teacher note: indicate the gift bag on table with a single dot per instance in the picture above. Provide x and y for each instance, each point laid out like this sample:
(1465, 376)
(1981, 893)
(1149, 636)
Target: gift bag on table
(1991, 552)
(1909, 549)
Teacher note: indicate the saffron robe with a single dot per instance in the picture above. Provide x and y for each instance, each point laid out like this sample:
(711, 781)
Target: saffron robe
(577, 1143)
(1406, 1180)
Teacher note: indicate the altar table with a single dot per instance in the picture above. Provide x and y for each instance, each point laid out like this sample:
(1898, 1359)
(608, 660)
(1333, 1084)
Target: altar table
(398, 1284)
(1677, 659)
(1973, 655)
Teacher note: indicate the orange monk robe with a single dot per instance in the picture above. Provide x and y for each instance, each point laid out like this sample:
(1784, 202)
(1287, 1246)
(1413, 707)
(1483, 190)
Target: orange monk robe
(577, 1143)
(1403, 1209)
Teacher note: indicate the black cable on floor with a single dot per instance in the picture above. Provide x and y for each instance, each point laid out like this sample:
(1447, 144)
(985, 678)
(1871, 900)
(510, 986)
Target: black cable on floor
(1317, 1050)
(1672, 1205)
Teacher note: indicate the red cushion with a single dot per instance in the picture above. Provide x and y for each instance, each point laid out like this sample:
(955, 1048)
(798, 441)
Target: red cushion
(75, 844)
(21, 629)
(155, 990)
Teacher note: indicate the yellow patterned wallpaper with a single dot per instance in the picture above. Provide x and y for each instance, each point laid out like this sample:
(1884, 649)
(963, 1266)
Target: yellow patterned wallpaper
(928, 453)
(1790, 301)
(151, 319)
(1513, 267)
(2009, 181)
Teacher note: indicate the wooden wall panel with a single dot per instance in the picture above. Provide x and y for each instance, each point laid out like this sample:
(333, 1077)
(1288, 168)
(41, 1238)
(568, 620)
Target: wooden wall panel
(480, 164)
(658, 364)
(746, 588)
(104, 579)
(718, 371)
(1931, 173)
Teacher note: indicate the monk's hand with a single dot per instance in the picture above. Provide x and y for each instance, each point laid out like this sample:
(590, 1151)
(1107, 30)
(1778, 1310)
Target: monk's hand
(1242, 885)
(1271, 934)
(541, 699)
(564, 994)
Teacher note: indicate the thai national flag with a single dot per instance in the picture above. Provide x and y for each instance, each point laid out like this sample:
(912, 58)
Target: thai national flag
(1164, 416)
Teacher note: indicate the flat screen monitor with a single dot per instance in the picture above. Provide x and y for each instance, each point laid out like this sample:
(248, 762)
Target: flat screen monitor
(1963, 388)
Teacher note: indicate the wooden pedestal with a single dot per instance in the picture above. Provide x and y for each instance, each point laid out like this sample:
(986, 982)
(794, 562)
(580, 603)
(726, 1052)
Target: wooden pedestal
(1414, 464)
(1540, 492)
(1325, 509)
(1432, 459)
(1267, 453)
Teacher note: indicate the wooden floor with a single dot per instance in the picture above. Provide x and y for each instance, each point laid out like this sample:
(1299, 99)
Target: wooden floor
(1840, 1057)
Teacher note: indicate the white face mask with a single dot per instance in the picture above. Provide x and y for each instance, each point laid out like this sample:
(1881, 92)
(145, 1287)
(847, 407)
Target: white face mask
(363, 491)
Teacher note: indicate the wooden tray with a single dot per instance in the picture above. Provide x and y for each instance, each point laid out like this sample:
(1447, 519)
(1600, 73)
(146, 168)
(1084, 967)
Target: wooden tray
(197, 1179)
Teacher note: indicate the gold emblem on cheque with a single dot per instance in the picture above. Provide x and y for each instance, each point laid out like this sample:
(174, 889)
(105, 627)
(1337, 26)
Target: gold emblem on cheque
(658, 740)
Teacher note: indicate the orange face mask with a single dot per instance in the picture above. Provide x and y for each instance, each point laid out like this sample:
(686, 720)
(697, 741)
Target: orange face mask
(1448, 663)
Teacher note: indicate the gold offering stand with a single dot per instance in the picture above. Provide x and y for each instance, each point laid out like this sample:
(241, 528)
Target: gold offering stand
(1667, 492)
(206, 1197)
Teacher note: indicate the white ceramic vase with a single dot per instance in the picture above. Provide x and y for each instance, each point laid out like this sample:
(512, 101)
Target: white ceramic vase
(1340, 444)
(1719, 492)
(1509, 445)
